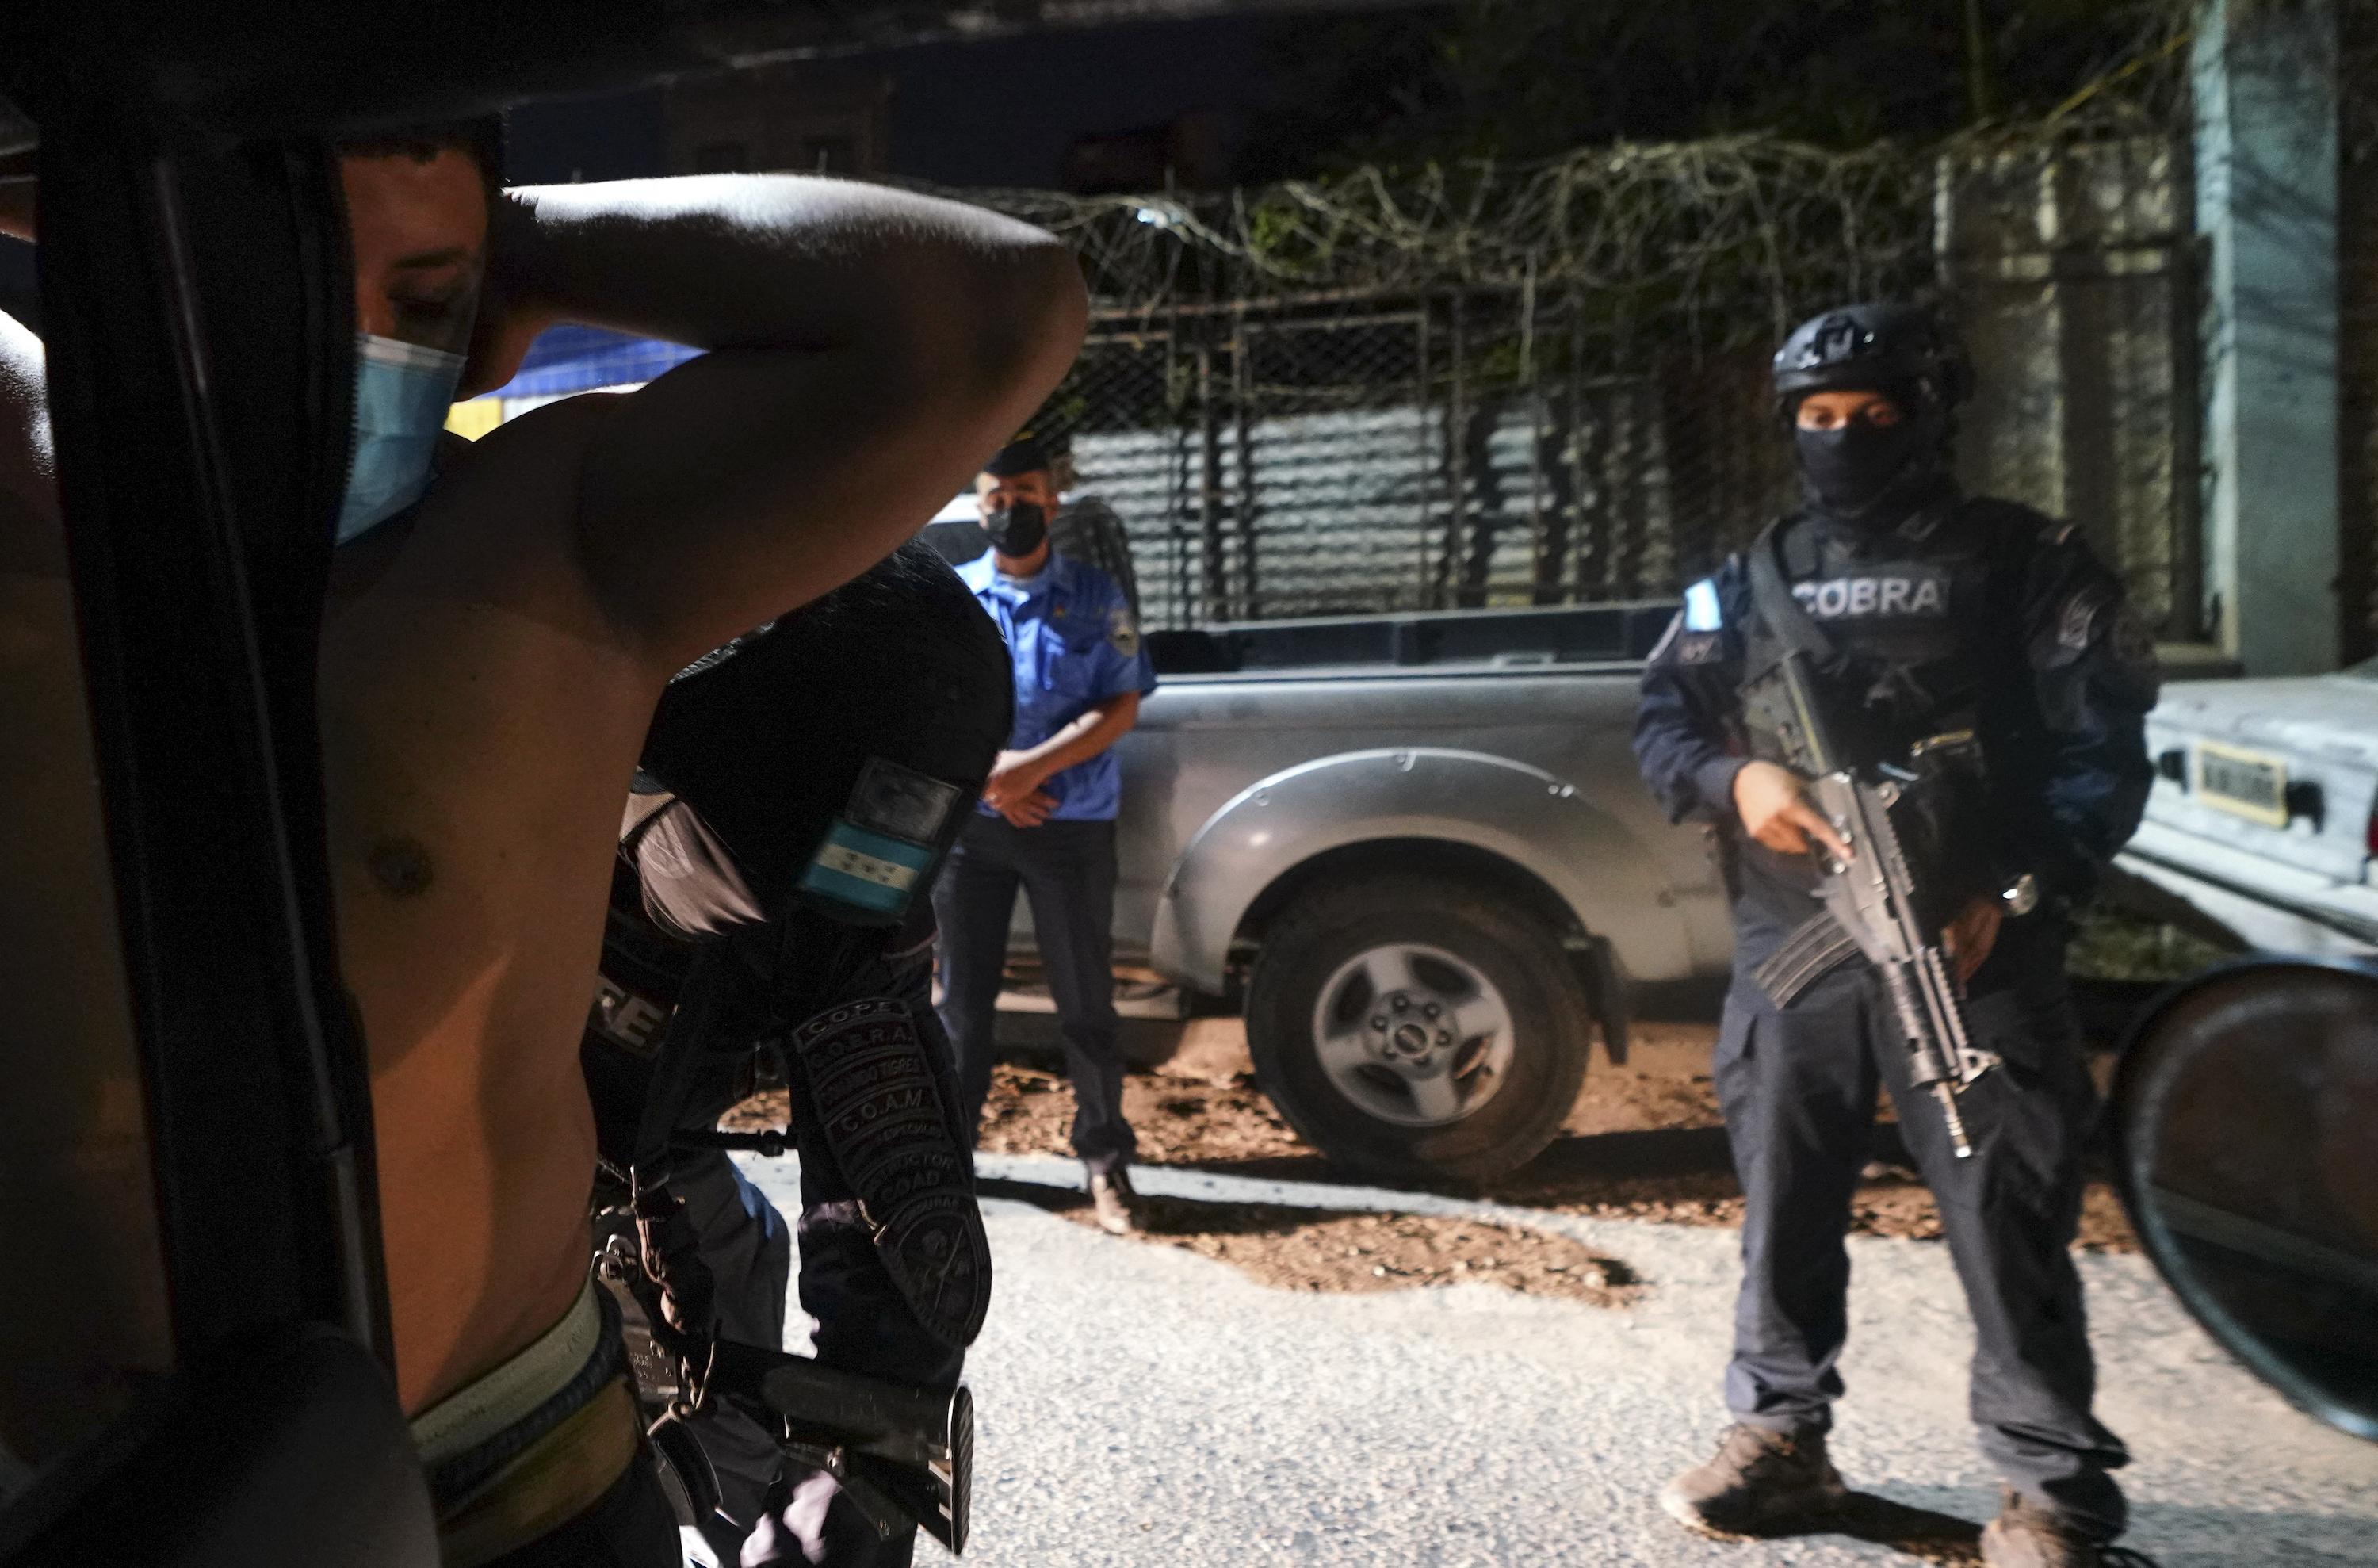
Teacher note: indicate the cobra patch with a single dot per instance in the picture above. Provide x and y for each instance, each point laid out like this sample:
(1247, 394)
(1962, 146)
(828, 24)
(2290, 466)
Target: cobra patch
(1910, 591)
(1123, 633)
(882, 1115)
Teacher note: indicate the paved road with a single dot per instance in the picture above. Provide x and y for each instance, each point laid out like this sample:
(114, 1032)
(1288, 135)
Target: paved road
(1143, 1405)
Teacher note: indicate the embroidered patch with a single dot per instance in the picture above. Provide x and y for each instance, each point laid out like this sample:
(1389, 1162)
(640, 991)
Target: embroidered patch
(1123, 633)
(1906, 594)
(1699, 647)
(882, 1115)
(876, 853)
(901, 802)
(2074, 622)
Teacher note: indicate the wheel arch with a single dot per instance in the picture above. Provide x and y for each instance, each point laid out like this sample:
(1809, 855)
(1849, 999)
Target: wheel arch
(1508, 826)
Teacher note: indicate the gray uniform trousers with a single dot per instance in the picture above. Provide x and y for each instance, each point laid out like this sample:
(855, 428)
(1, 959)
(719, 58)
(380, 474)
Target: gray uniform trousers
(1797, 1087)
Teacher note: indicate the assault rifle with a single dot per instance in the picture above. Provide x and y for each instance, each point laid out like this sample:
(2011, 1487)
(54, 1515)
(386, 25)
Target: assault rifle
(1872, 903)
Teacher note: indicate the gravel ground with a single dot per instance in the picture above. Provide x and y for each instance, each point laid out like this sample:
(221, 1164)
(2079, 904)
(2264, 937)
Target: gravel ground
(1142, 1405)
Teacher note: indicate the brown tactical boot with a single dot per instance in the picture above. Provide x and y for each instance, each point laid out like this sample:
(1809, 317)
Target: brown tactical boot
(2027, 1535)
(1117, 1204)
(1759, 1483)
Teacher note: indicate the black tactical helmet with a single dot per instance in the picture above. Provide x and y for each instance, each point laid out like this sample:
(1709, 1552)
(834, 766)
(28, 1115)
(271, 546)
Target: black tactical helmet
(1878, 347)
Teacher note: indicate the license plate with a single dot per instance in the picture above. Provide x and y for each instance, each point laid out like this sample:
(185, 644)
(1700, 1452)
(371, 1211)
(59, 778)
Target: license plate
(2249, 784)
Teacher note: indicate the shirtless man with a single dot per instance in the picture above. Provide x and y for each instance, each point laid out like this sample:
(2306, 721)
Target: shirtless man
(493, 651)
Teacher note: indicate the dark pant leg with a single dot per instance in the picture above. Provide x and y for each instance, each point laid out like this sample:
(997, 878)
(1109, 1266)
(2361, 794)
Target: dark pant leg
(974, 902)
(749, 1249)
(1069, 874)
(2010, 1212)
(1797, 1088)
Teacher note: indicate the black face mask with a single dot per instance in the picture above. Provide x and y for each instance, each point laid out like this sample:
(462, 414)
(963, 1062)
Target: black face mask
(1016, 530)
(1852, 468)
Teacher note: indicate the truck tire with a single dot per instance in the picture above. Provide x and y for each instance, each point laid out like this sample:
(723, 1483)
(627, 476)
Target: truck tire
(1418, 1027)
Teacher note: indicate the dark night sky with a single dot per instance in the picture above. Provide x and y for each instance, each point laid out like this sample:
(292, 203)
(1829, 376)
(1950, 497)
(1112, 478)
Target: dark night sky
(989, 114)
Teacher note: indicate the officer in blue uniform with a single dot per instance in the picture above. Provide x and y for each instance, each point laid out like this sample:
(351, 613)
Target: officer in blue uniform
(1046, 822)
(1934, 616)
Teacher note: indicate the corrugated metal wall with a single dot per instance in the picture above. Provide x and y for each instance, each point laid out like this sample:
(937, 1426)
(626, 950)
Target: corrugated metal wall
(1351, 457)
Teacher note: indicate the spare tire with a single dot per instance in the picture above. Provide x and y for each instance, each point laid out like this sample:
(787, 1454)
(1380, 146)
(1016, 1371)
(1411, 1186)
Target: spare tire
(1418, 1027)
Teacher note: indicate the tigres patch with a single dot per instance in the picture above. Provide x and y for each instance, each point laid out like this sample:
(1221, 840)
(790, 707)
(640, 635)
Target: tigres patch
(882, 1115)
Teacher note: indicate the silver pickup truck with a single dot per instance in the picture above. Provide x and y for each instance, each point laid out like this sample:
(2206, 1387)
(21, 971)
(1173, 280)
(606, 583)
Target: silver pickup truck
(1419, 851)
(1416, 850)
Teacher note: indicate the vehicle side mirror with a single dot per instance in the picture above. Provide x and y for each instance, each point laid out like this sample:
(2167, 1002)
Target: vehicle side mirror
(2246, 1126)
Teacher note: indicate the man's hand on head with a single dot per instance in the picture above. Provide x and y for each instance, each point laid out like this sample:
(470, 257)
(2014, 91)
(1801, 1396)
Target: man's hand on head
(511, 309)
(866, 346)
(1773, 805)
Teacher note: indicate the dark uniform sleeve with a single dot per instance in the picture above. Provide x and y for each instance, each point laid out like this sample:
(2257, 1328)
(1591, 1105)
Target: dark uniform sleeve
(2094, 676)
(1686, 729)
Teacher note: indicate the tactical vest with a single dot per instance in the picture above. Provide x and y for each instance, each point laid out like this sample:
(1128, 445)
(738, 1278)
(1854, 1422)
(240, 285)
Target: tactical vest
(1902, 629)
(1913, 640)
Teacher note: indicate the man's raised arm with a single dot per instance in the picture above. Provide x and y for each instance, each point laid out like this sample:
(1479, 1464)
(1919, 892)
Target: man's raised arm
(866, 348)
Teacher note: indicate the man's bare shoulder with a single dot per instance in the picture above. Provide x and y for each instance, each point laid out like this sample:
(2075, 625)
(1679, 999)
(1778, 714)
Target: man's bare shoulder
(499, 527)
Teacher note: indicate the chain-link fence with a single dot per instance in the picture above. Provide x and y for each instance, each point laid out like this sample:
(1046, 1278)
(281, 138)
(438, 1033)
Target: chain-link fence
(1531, 442)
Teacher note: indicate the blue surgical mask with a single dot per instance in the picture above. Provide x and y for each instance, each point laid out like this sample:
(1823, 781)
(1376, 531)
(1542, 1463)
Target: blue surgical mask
(402, 392)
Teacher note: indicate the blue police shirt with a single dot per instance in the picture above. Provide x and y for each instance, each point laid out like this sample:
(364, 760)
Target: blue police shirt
(1073, 644)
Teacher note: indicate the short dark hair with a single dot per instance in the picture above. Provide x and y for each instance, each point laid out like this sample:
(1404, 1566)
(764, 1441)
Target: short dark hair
(1027, 453)
(482, 136)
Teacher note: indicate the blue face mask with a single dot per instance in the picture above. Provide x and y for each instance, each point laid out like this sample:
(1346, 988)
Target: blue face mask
(402, 393)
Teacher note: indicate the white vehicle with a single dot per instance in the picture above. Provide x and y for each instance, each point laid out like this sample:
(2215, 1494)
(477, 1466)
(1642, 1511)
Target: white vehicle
(2262, 819)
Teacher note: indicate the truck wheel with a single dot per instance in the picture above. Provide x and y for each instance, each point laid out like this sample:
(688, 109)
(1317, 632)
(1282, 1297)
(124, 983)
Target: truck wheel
(1418, 1027)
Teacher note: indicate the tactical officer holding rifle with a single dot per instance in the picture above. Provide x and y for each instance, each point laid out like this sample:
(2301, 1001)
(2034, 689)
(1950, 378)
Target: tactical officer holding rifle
(1914, 721)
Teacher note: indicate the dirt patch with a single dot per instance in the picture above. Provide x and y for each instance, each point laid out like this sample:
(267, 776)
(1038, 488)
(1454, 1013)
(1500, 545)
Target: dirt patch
(1644, 1141)
(1179, 1121)
(1326, 1249)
